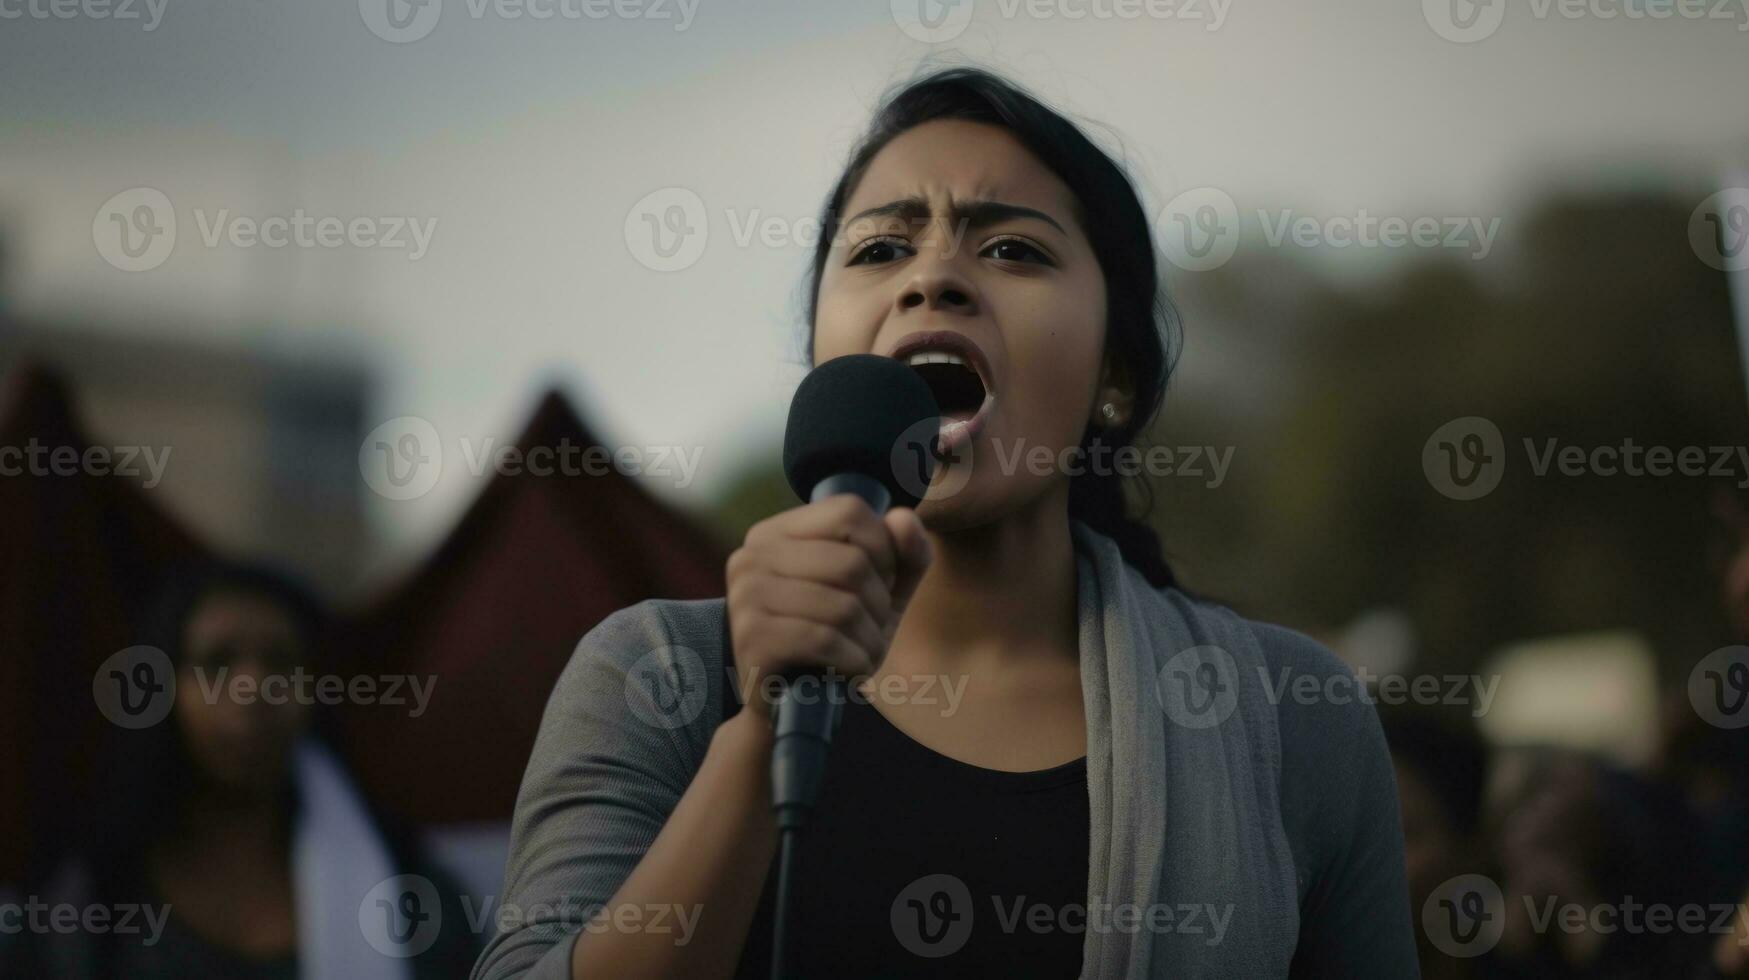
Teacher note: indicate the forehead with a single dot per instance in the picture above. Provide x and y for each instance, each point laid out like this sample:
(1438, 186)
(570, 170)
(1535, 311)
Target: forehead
(956, 160)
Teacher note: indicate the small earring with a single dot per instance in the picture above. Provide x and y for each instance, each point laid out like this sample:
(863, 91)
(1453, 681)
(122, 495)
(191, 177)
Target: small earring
(1109, 411)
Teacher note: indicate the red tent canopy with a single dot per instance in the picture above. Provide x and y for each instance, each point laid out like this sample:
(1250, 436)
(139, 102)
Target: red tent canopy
(77, 554)
(493, 617)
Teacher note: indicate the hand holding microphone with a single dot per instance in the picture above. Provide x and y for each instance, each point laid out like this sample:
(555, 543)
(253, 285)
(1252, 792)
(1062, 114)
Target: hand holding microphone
(821, 588)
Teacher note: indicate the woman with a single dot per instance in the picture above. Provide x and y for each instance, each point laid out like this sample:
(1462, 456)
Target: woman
(1110, 788)
(232, 827)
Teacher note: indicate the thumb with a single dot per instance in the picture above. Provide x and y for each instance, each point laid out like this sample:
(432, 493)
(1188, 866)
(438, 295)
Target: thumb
(914, 553)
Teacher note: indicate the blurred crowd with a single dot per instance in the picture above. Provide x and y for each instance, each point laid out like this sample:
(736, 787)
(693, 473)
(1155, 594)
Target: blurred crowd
(1549, 862)
(1523, 862)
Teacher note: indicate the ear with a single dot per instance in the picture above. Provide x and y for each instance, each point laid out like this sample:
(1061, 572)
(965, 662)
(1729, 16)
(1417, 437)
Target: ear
(1116, 386)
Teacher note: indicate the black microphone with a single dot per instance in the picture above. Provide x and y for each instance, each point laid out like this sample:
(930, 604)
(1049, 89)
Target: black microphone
(861, 424)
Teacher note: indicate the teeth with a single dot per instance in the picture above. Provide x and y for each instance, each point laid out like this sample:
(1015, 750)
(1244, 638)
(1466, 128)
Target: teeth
(934, 357)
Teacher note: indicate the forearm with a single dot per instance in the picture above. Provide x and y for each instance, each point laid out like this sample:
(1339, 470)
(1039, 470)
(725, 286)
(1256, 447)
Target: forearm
(709, 861)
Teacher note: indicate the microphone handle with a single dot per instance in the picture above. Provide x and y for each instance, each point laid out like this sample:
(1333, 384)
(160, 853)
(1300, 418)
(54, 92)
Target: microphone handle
(807, 714)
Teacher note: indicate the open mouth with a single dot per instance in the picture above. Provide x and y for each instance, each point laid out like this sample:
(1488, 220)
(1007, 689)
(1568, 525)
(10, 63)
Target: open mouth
(957, 374)
(958, 390)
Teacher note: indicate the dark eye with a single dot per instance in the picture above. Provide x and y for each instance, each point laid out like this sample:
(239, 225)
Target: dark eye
(879, 250)
(1016, 250)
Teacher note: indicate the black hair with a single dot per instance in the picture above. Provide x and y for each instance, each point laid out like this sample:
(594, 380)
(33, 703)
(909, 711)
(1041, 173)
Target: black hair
(1142, 327)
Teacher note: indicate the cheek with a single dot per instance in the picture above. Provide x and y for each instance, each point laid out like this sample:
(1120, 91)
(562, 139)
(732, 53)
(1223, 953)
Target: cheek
(1054, 351)
(844, 322)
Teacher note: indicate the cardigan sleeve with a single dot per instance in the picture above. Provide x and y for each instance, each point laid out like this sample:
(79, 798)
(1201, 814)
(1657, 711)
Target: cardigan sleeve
(624, 730)
(1340, 810)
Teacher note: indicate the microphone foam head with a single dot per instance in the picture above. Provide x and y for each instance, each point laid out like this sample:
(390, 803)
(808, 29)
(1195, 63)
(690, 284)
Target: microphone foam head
(867, 414)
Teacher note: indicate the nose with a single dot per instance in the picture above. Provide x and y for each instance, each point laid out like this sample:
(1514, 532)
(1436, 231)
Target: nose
(937, 286)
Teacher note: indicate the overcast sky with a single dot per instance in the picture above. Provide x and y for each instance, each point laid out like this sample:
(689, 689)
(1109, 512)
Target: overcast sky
(527, 150)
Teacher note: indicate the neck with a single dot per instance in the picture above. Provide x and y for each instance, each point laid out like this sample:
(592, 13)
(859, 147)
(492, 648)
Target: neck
(1001, 592)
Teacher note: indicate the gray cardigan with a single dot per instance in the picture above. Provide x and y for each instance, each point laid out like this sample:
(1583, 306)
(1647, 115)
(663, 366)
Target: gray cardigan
(1213, 780)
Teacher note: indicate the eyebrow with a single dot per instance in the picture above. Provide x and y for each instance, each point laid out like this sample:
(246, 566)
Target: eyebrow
(976, 214)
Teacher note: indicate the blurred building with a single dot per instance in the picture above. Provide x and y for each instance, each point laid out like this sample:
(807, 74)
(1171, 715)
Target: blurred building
(258, 453)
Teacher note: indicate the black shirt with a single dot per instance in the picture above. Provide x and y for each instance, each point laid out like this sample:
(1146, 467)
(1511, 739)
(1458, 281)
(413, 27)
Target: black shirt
(918, 865)
(894, 813)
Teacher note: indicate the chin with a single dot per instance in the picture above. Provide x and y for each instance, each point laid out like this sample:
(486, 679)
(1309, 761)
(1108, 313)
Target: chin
(955, 505)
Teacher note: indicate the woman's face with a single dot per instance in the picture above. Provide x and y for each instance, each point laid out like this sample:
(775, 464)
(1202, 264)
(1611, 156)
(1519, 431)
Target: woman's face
(955, 227)
(238, 725)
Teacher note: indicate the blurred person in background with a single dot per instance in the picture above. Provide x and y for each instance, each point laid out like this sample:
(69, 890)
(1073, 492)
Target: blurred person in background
(1709, 765)
(1442, 774)
(1580, 832)
(235, 822)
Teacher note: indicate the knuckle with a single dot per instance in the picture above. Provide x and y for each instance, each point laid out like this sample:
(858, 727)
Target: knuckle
(854, 565)
(819, 637)
(846, 609)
